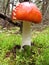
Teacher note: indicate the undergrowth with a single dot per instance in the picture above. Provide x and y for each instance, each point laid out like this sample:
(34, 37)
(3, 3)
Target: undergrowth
(37, 54)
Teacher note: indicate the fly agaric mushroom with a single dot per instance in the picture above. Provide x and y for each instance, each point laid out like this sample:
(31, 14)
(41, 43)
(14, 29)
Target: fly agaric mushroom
(28, 13)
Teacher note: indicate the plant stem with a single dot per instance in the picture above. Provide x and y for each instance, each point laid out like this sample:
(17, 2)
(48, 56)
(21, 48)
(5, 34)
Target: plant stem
(26, 33)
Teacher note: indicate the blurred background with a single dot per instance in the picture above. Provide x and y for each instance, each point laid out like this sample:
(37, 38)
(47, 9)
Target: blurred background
(6, 7)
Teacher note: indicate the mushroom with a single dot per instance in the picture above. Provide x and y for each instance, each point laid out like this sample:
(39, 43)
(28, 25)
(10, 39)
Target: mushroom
(27, 12)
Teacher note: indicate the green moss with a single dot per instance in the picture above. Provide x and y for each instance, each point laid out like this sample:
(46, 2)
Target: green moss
(37, 54)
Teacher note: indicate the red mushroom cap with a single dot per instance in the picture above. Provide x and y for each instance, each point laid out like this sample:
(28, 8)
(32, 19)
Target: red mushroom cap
(28, 12)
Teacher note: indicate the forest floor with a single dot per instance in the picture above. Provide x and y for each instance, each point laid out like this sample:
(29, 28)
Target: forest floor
(11, 54)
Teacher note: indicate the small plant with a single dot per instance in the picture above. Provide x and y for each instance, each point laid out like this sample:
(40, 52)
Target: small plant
(36, 54)
(7, 42)
(41, 43)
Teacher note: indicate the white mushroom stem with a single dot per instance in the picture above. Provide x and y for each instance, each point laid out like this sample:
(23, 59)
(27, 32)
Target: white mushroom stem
(26, 33)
